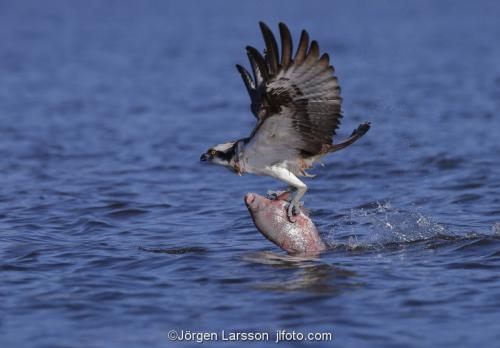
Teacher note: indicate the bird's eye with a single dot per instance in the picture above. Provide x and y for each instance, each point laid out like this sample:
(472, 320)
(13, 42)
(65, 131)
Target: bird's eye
(213, 152)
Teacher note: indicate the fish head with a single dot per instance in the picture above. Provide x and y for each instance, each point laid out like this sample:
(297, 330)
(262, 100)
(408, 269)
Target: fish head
(256, 203)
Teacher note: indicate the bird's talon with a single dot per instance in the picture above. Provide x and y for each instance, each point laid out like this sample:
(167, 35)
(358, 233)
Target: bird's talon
(292, 211)
(279, 195)
(272, 195)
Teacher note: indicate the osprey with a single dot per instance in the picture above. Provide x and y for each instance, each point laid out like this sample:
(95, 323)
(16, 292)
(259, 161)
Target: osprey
(297, 103)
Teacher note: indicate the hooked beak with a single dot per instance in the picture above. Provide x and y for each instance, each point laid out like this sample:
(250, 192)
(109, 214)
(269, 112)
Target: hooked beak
(204, 158)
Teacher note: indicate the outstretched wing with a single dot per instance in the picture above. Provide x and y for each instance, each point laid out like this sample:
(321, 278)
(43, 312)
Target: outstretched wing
(295, 99)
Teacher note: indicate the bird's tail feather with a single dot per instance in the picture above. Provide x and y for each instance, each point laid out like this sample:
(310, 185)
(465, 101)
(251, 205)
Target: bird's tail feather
(356, 134)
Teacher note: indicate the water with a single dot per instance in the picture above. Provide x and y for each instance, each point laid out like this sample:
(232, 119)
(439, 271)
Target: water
(112, 234)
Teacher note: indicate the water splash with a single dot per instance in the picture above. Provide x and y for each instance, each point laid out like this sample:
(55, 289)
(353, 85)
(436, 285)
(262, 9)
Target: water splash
(380, 224)
(495, 229)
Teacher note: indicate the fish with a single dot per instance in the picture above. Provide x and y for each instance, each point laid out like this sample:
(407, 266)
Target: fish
(270, 218)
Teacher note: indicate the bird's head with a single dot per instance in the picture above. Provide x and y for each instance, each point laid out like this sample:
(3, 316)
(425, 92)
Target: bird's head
(222, 154)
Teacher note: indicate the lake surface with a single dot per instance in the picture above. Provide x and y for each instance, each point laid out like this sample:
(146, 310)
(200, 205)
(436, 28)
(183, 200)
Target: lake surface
(112, 233)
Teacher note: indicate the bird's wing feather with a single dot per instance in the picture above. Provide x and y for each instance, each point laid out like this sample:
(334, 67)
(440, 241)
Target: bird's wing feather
(296, 100)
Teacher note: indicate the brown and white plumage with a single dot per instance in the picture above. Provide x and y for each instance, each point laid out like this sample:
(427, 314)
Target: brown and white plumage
(296, 100)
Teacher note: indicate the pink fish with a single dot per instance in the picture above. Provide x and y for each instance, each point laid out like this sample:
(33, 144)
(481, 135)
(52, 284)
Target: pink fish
(271, 219)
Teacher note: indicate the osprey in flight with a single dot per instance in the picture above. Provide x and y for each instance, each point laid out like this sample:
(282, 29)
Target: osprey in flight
(297, 103)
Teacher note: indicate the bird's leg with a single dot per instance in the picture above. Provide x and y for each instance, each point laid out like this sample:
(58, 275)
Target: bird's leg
(294, 206)
(289, 178)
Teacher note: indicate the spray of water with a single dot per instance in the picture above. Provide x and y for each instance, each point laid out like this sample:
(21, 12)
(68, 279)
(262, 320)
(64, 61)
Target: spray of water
(381, 224)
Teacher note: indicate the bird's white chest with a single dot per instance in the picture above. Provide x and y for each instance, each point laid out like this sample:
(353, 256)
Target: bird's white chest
(256, 160)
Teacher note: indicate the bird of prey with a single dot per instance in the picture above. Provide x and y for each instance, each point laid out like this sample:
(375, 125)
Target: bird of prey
(296, 100)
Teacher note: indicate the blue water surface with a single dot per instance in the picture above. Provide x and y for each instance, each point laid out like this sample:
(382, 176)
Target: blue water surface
(112, 233)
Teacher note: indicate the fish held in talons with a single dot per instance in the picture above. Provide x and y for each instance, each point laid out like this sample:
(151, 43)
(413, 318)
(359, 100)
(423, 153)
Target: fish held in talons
(270, 218)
